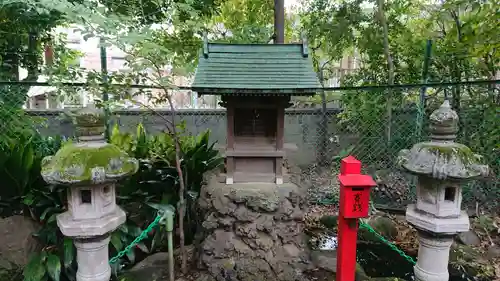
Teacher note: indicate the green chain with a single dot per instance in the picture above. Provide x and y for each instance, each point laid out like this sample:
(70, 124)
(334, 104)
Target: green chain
(387, 242)
(137, 240)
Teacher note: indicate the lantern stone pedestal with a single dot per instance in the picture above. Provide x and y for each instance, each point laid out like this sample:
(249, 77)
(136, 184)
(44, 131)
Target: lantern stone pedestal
(90, 168)
(92, 259)
(441, 166)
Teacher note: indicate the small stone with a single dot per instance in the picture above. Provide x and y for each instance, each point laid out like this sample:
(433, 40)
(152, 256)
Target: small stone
(329, 221)
(291, 250)
(257, 197)
(248, 230)
(151, 268)
(265, 223)
(205, 277)
(223, 205)
(242, 213)
(326, 260)
(210, 222)
(264, 241)
(383, 225)
(469, 238)
(297, 214)
(285, 210)
(493, 252)
(226, 221)
(471, 213)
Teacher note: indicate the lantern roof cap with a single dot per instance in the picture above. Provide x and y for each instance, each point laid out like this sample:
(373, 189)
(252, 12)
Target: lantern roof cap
(91, 160)
(443, 123)
(441, 157)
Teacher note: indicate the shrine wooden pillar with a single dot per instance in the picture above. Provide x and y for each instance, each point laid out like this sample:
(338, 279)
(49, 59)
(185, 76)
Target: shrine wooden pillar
(230, 141)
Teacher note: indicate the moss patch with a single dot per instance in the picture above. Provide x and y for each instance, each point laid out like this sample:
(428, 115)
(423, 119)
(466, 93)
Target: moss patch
(75, 162)
(449, 151)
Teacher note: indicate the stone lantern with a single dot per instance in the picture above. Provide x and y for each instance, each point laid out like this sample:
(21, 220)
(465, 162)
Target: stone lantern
(90, 168)
(441, 166)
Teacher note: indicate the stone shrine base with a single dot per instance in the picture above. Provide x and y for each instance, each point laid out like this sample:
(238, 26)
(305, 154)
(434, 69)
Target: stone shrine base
(253, 232)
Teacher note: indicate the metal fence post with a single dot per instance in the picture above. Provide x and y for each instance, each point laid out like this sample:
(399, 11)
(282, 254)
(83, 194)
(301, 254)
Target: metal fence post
(421, 104)
(105, 97)
(323, 125)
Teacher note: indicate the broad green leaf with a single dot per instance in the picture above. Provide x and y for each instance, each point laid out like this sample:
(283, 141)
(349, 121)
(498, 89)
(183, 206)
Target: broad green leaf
(116, 241)
(131, 255)
(35, 269)
(69, 252)
(52, 218)
(115, 268)
(142, 247)
(29, 199)
(123, 228)
(53, 266)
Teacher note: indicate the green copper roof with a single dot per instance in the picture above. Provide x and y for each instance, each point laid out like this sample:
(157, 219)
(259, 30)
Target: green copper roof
(254, 69)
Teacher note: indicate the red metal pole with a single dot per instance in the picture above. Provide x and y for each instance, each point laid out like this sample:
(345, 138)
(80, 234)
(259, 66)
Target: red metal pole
(354, 204)
(347, 228)
(346, 252)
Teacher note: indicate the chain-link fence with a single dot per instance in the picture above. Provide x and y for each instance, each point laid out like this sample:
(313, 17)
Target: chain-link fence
(354, 121)
(366, 127)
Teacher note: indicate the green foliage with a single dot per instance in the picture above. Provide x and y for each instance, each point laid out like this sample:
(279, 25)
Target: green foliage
(43, 266)
(23, 30)
(156, 184)
(25, 191)
(15, 122)
(158, 180)
(20, 169)
(122, 237)
(35, 269)
(58, 254)
(243, 21)
(342, 154)
(157, 153)
(462, 49)
(150, 12)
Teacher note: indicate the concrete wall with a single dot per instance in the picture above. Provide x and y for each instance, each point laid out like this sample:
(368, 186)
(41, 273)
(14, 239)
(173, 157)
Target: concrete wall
(302, 128)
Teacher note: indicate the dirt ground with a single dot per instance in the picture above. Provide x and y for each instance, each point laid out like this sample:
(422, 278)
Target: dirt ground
(485, 227)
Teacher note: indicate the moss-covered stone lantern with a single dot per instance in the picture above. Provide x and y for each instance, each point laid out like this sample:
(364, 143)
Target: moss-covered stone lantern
(90, 168)
(441, 166)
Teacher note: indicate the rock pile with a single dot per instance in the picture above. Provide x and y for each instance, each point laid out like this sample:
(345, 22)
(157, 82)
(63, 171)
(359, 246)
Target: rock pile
(253, 232)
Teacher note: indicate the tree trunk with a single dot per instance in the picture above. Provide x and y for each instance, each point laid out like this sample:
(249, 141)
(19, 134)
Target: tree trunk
(182, 187)
(390, 65)
(279, 21)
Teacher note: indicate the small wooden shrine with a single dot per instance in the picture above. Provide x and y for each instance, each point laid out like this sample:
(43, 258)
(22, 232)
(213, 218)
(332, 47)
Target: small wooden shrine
(255, 82)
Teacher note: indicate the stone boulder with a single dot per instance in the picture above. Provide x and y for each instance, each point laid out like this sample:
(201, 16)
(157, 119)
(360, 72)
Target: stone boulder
(469, 238)
(18, 242)
(253, 231)
(152, 268)
(382, 225)
(327, 260)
